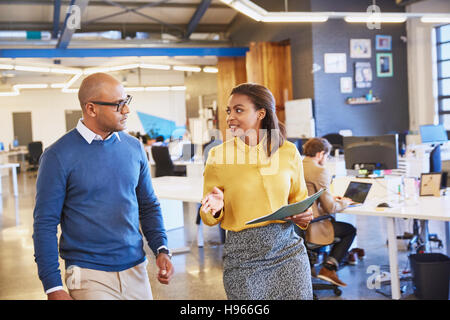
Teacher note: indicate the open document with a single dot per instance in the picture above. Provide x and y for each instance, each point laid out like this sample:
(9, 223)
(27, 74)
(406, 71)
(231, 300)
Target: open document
(290, 209)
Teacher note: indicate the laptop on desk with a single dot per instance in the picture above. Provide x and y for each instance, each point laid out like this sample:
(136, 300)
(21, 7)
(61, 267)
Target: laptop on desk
(357, 191)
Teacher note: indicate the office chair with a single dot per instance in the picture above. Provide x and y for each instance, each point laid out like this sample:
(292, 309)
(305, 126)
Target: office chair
(163, 163)
(313, 251)
(337, 142)
(298, 143)
(34, 154)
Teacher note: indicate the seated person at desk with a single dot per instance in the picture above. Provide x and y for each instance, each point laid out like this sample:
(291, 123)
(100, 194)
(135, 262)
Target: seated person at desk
(159, 141)
(323, 232)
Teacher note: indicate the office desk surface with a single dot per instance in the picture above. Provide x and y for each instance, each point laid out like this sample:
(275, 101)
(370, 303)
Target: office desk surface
(425, 208)
(179, 188)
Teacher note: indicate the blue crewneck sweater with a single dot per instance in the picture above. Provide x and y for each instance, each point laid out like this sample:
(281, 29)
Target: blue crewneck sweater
(99, 193)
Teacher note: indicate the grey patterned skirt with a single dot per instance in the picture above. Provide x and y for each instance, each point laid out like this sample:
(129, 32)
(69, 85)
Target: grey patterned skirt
(266, 263)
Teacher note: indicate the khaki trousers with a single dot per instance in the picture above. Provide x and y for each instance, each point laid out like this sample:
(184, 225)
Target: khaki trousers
(89, 284)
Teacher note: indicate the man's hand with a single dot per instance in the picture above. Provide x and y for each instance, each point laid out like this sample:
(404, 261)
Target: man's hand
(59, 295)
(346, 201)
(165, 268)
(213, 201)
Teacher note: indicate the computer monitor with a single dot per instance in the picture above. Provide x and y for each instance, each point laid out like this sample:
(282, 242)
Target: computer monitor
(188, 151)
(433, 134)
(371, 153)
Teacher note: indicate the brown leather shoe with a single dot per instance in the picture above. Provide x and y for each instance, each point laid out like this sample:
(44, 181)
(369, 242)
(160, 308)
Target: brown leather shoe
(330, 276)
(360, 252)
(351, 258)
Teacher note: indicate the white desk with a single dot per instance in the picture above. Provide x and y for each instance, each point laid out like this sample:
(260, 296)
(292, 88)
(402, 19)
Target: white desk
(186, 189)
(426, 208)
(13, 167)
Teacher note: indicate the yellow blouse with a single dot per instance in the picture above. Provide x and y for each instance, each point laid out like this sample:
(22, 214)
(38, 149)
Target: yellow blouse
(253, 184)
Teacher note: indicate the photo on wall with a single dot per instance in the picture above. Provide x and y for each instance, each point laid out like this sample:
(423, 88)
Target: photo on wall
(385, 66)
(360, 48)
(363, 75)
(383, 42)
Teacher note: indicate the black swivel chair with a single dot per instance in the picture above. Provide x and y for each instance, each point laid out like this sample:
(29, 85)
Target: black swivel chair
(163, 163)
(314, 251)
(337, 142)
(34, 154)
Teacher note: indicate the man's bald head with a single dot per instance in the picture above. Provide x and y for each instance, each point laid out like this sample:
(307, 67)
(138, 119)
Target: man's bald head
(95, 87)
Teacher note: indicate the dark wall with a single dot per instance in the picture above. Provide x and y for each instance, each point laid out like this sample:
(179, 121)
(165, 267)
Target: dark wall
(331, 112)
(309, 42)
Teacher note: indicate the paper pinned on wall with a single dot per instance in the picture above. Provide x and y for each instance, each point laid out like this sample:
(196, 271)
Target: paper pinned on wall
(335, 62)
(346, 85)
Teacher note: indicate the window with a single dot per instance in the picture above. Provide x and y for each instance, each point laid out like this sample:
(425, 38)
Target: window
(443, 69)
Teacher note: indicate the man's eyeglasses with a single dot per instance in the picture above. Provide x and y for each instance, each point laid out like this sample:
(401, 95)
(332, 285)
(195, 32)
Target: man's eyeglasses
(119, 105)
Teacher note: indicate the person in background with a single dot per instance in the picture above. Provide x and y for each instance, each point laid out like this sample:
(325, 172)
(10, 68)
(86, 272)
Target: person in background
(159, 141)
(316, 152)
(266, 260)
(95, 182)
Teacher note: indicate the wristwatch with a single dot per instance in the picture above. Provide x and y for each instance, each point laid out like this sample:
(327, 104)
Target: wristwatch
(164, 250)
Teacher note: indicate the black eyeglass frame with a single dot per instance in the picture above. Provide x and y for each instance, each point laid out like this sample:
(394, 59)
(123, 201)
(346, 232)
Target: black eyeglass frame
(119, 105)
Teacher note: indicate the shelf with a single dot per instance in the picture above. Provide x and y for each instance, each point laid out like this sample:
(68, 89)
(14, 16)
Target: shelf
(361, 101)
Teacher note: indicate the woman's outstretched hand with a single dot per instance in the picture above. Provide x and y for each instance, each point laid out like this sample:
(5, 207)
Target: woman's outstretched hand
(213, 201)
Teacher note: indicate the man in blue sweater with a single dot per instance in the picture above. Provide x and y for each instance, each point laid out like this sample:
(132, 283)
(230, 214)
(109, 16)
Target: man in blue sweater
(95, 182)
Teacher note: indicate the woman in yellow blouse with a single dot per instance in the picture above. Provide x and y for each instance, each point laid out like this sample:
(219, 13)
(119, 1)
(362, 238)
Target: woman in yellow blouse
(249, 176)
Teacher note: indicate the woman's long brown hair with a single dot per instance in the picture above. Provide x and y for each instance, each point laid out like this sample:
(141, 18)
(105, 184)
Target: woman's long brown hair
(262, 98)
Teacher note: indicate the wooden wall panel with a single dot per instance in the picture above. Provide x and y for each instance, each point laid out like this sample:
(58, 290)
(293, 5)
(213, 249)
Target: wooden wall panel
(232, 72)
(269, 64)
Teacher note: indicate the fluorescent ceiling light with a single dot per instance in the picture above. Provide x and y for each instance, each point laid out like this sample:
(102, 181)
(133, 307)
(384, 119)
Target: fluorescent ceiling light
(435, 19)
(57, 85)
(210, 69)
(9, 93)
(134, 89)
(295, 17)
(249, 9)
(178, 88)
(187, 68)
(31, 86)
(6, 66)
(154, 66)
(32, 69)
(72, 81)
(257, 13)
(375, 18)
(157, 88)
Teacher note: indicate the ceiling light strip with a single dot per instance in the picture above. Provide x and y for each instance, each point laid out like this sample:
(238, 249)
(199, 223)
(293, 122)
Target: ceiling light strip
(187, 68)
(257, 13)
